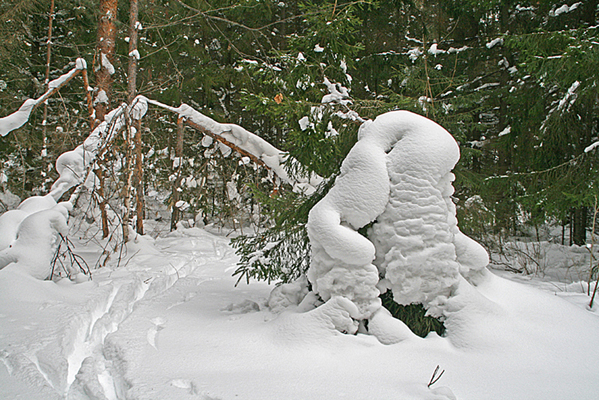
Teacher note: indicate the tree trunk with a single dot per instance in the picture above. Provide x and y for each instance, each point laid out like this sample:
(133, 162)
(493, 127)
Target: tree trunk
(580, 226)
(126, 193)
(176, 215)
(131, 93)
(104, 214)
(47, 81)
(105, 56)
(106, 47)
(138, 181)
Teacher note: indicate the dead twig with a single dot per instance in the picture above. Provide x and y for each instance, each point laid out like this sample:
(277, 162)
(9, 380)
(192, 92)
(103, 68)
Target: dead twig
(436, 376)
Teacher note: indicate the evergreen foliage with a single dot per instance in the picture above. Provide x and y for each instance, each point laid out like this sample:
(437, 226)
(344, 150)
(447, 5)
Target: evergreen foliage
(413, 315)
(514, 82)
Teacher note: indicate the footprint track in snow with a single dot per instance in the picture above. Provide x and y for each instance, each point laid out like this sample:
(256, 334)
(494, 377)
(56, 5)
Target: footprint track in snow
(153, 331)
(192, 388)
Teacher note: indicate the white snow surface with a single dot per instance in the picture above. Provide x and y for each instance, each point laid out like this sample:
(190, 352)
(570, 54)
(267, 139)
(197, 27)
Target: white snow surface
(169, 323)
(107, 64)
(337, 93)
(494, 42)
(563, 9)
(434, 50)
(135, 54)
(18, 118)
(29, 235)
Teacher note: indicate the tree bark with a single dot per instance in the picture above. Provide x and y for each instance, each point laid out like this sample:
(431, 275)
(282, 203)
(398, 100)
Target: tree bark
(132, 70)
(131, 93)
(138, 181)
(47, 81)
(580, 226)
(104, 214)
(176, 215)
(106, 48)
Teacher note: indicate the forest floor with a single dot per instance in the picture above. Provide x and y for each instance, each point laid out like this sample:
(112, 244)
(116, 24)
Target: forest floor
(168, 322)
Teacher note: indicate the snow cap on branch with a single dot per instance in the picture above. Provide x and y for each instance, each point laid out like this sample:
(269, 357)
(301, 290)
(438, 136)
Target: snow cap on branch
(21, 116)
(250, 143)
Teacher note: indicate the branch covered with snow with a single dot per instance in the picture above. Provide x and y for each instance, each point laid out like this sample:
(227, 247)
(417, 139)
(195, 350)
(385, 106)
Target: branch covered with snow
(38, 220)
(249, 144)
(21, 116)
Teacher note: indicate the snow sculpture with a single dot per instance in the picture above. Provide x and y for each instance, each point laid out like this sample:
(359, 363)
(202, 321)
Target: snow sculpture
(399, 174)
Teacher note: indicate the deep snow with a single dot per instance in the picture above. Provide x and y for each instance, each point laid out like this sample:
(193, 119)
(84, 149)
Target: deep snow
(170, 324)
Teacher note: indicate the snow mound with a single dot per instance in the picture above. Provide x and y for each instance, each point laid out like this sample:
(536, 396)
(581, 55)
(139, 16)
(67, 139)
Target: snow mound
(159, 327)
(33, 249)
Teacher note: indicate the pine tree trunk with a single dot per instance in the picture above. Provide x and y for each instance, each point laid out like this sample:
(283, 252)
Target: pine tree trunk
(126, 193)
(580, 226)
(103, 213)
(47, 81)
(132, 70)
(106, 47)
(139, 187)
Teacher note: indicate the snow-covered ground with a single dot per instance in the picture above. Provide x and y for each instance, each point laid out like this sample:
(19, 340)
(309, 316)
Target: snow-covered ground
(169, 323)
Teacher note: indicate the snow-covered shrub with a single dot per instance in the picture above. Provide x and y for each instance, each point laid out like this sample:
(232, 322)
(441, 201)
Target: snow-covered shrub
(30, 235)
(399, 174)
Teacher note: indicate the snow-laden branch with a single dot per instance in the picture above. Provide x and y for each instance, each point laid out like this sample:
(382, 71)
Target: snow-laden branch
(248, 144)
(38, 220)
(21, 116)
(72, 166)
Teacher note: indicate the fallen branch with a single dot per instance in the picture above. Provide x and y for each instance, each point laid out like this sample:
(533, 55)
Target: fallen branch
(435, 378)
(70, 258)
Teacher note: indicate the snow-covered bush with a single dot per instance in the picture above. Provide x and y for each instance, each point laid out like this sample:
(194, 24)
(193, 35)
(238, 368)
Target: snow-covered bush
(399, 175)
(30, 235)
